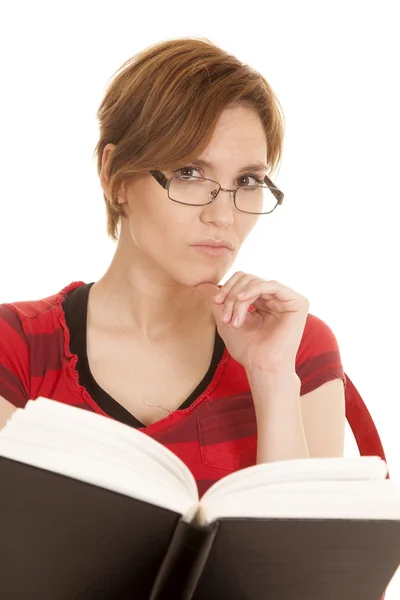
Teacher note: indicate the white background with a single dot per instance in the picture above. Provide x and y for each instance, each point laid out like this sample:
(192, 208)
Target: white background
(335, 69)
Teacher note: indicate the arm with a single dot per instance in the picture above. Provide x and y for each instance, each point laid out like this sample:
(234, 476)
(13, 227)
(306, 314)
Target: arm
(14, 363)
(291, 426)
(6, 410)
(280, 431)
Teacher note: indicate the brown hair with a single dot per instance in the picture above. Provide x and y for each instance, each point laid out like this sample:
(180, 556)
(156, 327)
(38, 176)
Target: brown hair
(163, 105)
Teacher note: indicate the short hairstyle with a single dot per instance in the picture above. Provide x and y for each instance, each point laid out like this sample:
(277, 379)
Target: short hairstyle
(162, 107)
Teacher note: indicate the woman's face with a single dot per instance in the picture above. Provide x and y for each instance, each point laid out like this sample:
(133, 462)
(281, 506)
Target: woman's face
(163, 232)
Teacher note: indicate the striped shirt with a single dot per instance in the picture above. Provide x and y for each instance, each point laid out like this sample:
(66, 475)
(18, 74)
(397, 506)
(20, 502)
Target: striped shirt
(43, 353)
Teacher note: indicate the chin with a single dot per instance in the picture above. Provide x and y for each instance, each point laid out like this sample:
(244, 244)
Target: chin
(214, 279)
(193, 279)
(192, 275)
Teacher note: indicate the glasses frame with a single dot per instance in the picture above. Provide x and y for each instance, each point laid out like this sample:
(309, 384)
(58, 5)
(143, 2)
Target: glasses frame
(165, 183)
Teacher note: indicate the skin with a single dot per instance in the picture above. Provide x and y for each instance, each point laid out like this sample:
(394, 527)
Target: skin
(149, 291)
(149, 288)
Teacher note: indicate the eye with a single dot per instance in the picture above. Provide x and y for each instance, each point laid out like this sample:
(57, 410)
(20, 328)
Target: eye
(187, 172)
(183, 172)
(257, 180)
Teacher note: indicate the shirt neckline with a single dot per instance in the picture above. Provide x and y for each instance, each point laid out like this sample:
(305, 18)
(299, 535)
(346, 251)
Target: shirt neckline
(74, 307)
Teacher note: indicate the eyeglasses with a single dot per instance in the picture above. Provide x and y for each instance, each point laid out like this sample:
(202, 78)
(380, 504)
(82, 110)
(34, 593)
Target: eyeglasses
(199, 191)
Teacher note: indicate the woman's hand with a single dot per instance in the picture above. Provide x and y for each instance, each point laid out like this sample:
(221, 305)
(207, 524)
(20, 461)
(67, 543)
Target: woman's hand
(267, 337)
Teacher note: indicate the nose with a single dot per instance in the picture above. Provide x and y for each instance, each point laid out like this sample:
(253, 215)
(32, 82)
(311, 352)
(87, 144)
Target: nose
(220, 213)
(216, 192)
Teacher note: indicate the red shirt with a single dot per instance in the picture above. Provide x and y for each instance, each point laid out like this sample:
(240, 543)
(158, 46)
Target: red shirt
(214, 432)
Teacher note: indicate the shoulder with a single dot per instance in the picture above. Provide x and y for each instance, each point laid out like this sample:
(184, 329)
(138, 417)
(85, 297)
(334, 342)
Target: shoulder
(317, 336)
(21, 321)
(30, 331)
(24, 310)
(318, 358)
(27, 317)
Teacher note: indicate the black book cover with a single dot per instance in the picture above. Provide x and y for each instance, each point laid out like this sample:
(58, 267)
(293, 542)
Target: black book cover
(63, 539)
(300, 559)
(184, 561)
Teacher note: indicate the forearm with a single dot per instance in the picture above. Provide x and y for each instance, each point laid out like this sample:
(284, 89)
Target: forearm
(280, 430)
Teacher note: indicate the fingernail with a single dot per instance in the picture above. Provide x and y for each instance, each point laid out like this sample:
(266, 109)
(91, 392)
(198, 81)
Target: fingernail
(235, 321)
(218, 298)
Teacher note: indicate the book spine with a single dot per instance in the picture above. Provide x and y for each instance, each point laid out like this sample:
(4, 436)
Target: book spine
(184, 561)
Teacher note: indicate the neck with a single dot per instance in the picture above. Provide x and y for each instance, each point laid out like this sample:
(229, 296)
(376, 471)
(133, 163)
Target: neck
(130, 303)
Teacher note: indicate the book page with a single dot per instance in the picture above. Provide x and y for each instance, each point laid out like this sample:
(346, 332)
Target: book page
(378, 500)
(98, 450)
(305, 469)
(336, 488)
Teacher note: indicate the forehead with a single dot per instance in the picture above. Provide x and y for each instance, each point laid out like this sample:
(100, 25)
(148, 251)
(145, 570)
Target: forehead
(239, 133)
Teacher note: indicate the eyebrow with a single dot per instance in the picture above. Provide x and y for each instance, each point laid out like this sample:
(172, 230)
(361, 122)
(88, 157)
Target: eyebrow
(255, 167)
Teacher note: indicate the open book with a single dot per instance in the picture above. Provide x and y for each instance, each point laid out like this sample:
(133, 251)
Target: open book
(92, 509)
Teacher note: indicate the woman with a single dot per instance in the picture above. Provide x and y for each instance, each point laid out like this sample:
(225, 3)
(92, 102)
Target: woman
(187, 135)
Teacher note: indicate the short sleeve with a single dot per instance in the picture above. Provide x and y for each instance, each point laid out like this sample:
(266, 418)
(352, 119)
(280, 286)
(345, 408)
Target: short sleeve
(14, 358)
(318, 358)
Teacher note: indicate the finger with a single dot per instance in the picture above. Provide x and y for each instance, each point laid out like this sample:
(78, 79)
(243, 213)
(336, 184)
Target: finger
(266, 289)
(251, 298)
(241, 312)
(285, 301)
(207, 289)
(228, 285)
(232, 301)
(259, 290)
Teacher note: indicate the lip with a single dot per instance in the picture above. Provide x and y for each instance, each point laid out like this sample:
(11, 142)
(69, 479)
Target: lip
(215, 243)
(212, 250)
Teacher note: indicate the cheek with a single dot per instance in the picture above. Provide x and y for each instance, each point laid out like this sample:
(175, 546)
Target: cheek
(245, 227)
(159, 233)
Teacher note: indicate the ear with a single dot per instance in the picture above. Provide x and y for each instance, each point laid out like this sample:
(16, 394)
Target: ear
(105, 161)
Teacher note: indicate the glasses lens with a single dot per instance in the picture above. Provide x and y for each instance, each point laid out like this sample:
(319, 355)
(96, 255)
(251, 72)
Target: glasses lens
(256, 199)
(198, 191)
(192, 190)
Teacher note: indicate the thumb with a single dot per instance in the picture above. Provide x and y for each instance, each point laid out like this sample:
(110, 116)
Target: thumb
(209, 290)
